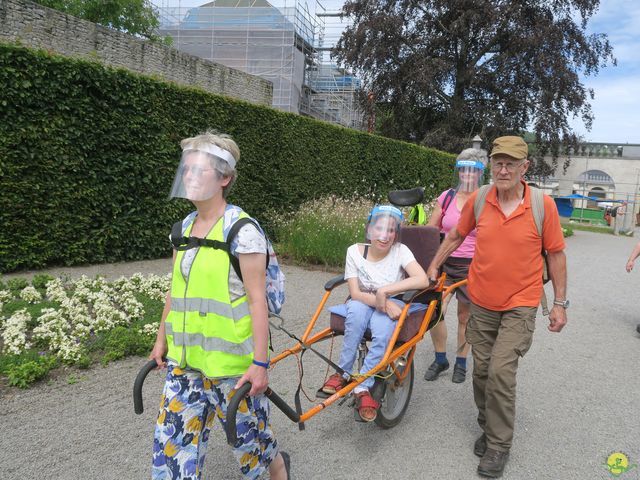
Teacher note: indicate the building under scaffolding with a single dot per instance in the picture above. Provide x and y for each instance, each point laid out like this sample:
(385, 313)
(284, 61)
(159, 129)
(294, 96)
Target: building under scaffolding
(280, 41)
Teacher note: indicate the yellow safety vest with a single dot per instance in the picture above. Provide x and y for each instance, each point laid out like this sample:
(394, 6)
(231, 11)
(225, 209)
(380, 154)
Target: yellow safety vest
(417, 215)
(206, 331)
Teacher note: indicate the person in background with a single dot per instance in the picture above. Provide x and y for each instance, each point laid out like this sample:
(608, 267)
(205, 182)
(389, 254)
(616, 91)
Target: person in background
(470, 166)
(632, 258)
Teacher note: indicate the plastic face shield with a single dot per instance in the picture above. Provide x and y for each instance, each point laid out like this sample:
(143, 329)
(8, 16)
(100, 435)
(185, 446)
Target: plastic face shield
(196, 178)
(384, 224)
(469, 175)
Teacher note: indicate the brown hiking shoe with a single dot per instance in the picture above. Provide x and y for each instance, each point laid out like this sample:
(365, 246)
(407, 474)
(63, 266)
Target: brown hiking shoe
(492, 463)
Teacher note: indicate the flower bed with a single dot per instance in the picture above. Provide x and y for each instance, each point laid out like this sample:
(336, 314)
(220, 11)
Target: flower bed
(53, 321)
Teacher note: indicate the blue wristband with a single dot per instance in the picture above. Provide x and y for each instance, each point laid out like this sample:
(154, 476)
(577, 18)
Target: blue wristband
(261, 364)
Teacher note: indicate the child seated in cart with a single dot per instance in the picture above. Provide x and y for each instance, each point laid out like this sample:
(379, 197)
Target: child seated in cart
(374, 272)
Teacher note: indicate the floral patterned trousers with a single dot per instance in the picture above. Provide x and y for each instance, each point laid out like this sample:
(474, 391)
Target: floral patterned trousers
(189, 404)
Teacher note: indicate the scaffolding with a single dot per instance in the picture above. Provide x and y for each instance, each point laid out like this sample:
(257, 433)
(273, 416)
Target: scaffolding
(281, 41)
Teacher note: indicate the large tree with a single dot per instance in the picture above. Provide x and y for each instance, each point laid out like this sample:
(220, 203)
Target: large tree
(136, 17)
(442, 71)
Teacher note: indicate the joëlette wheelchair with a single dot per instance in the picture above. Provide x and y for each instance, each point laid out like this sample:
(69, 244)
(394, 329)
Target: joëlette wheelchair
(394, 374)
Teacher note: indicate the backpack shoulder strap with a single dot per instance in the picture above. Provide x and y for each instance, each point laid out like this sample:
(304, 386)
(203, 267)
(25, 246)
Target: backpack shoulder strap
(481, 197)
(177, 239)
(537, 208)
(181, 242)
(446, 202)
(448, 199)
(231, 235)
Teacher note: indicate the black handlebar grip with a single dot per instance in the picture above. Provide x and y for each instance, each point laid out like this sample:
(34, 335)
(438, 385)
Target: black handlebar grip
(232, 409)
(137, 385)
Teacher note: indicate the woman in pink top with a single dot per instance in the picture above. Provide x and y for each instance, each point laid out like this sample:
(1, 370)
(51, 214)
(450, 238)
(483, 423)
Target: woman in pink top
(469, 166)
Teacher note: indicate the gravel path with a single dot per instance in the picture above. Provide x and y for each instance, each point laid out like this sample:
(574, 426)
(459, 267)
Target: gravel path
(577, 395)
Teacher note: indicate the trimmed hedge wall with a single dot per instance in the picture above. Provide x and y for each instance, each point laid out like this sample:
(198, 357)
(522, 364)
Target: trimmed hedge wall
(88, 154)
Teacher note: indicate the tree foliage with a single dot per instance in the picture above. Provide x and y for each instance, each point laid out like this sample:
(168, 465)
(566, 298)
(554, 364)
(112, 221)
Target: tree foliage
(443, 71)
(136, 17)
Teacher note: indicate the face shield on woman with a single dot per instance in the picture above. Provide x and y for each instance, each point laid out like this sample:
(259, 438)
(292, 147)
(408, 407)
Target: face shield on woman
(469, 175)
(197, 178)
(383, 224)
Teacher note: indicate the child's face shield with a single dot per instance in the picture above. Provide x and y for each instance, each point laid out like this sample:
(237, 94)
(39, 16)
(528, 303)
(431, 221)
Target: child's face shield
(384, 224)
(197, 178)
(469, 175)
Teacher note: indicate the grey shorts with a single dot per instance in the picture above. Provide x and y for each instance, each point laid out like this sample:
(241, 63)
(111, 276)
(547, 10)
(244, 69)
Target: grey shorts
(457, 269)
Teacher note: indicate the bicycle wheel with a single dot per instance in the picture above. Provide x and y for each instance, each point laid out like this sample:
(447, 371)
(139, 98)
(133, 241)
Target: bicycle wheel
(395, 397)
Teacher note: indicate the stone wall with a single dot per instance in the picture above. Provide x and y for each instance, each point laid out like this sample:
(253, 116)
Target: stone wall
(35, 26)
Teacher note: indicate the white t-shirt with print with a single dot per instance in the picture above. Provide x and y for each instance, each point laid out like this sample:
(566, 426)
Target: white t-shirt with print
(373, 275)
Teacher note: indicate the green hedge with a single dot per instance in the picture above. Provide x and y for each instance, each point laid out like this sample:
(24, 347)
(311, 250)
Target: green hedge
(88, 154)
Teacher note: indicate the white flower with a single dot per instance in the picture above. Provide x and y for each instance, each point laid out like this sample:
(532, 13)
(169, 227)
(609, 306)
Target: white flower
(150, 329)
(14, 333)
(30, 295)
(5, 296)
(55, 291)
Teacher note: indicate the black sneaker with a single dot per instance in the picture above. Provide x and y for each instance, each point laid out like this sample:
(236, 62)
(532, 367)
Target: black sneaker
(492, 463)
(434, 370)
(480, 446)
(459, 373)
(638, 328)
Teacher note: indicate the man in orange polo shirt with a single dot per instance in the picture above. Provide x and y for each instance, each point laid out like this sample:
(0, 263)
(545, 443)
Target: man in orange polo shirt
(505, 288)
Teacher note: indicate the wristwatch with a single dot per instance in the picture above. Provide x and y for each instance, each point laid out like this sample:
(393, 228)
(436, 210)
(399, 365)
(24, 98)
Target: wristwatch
(562, 303)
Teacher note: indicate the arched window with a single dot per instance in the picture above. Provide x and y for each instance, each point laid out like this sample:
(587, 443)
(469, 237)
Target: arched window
(596, 177)
(597, 192)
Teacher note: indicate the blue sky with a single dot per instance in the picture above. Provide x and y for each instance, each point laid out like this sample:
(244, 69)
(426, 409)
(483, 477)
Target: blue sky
(616, 105)
(617, 102)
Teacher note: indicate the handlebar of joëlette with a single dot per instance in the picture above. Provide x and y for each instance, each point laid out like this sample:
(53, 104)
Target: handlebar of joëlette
(232, 407)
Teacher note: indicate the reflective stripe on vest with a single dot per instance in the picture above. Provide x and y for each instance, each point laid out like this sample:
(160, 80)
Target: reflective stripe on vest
(206, 331)
(210, 344)
(208, 305)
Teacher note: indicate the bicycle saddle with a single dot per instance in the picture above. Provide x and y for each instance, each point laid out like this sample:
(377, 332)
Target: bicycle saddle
(407, 198)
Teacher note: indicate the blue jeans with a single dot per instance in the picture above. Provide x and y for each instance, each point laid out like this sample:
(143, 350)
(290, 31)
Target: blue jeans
(359, 317)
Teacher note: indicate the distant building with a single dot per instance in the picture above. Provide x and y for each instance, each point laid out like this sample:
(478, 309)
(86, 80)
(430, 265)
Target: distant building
(282, 45)
(599, 170)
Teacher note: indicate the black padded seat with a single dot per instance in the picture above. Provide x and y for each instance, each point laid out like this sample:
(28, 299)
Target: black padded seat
(423, 241)
(407, 198)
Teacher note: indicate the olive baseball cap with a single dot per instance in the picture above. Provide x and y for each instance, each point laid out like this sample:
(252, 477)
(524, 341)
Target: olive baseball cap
(513, 146)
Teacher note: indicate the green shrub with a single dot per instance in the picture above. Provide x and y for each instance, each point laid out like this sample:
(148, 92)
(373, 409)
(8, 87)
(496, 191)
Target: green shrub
(321, 231)
(40, 281)
(91, 151)
(15, 285)
(122, 342)
(9, 361)
(24, 374)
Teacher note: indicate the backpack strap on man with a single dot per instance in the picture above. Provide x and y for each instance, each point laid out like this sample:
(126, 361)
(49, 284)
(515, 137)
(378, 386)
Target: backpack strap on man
(537, 209)
(481, 197)
(233, 231)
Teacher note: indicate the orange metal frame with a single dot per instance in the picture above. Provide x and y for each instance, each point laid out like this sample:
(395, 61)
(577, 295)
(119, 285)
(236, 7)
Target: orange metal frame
(390, 355)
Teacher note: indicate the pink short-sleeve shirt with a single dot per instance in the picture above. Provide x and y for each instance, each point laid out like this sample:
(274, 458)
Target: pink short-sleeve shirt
(450, 220)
